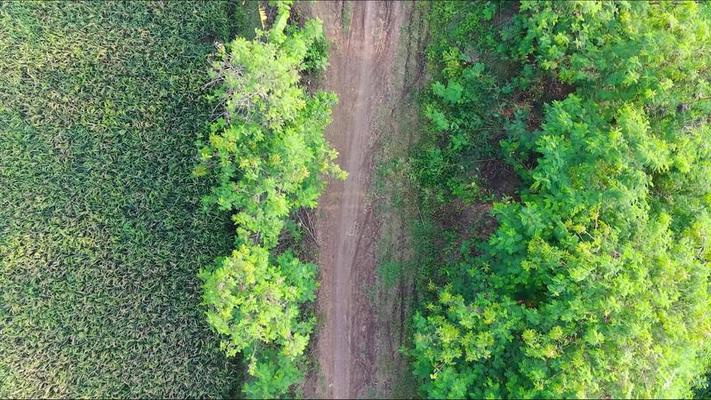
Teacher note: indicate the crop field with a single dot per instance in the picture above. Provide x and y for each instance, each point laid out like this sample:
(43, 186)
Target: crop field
(101, 234)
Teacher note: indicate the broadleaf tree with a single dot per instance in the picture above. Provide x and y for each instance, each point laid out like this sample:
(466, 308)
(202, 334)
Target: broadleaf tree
(596, 281)
(268, 156)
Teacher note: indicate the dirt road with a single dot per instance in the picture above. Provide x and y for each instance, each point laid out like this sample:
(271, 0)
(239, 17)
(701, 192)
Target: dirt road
(364, 38)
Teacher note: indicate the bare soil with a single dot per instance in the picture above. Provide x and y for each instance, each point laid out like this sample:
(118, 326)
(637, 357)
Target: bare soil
(365, 38)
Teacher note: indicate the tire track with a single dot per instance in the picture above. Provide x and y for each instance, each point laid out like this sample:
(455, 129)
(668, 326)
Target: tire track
(360, 72)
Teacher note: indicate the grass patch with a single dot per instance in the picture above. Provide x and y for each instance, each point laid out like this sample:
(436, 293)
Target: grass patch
(101, 235)
(390, 271)
(391, 194)
(346, 15)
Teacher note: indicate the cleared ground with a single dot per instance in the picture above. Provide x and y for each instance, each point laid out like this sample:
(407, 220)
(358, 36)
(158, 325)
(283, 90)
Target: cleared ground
(366, 74)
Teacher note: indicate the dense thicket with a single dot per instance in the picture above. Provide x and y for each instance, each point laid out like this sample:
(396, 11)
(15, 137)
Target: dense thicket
(100, 235)
(269, 155)
(596, 281)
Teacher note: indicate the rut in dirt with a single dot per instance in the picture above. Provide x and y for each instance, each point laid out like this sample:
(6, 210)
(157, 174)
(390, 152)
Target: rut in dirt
(364, 38)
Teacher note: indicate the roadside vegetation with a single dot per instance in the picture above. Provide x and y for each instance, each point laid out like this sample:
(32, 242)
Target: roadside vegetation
(565, 170)
(268, 154)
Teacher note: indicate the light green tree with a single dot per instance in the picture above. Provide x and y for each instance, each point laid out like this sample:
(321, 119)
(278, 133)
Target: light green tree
(269, 156)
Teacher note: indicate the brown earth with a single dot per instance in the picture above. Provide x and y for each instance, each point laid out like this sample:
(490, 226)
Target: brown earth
(365, 39)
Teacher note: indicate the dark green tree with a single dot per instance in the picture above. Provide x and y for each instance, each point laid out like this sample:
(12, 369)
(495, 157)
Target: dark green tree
(596, 283)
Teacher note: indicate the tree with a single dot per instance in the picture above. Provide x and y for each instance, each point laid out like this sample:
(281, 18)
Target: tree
(596, 283)
(268, 154)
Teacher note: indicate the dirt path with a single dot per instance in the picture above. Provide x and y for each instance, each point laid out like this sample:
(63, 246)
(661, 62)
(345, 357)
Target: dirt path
(364, 38)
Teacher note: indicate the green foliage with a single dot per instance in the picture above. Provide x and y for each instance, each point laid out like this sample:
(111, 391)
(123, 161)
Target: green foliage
(464, 111)
(703, 389)
(273, 375)
(256, 304)
(466, 105)
(269, 155)
(316, 59)
(100, 239)
(596, 283)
